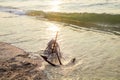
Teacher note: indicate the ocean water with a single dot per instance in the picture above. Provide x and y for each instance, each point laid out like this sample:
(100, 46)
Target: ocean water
(97, 53)
(91, 6)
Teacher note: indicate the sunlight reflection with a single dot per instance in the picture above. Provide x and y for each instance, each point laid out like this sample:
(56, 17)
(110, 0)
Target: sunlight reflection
(55, 2)
(53, 29)
(55, 8)
(55, 5)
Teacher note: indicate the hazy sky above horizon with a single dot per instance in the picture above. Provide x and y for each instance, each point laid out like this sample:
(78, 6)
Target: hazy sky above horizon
(96, 6)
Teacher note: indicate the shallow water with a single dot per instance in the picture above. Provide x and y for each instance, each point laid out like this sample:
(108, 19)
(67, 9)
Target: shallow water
(97, 53)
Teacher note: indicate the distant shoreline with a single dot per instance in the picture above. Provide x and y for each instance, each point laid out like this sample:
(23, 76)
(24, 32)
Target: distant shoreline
(13, 10)
(103, 22)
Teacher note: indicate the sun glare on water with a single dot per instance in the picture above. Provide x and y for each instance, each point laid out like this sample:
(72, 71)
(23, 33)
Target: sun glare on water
(53, 29)
(55, 5)
(55, 2)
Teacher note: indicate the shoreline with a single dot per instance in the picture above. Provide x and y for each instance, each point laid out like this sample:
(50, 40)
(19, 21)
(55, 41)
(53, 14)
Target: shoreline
(12, 10)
